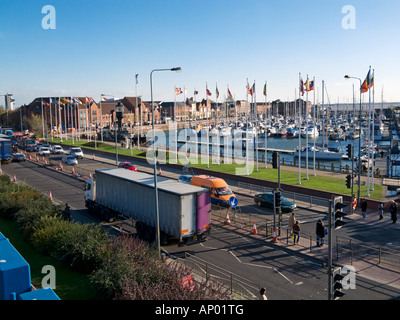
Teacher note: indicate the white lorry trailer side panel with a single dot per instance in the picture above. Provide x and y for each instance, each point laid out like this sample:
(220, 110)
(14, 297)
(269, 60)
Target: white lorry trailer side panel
(132, 193)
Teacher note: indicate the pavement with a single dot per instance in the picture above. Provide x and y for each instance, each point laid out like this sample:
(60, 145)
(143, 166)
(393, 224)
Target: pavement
(387, 274)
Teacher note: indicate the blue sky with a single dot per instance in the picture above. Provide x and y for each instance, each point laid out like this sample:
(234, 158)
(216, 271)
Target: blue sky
(99, 45)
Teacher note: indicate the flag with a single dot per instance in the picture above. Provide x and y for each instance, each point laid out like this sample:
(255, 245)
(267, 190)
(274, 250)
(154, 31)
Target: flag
(74, 100)
(301, 86)
(253, 89)
(65, 100)
(103, 99)
(196, 92)
(45, 103)
(229, 93)
(136, 76)
(89, 101)
(178, 91)
(216, 92)
(371, 82)
(54, 101)
(265, 89)
(208, 92)
(311, 87)
(248, 88)
(367, 82)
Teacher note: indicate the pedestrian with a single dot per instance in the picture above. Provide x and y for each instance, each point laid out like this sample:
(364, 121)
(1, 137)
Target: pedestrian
(67, 212)
(292, 221)
(393, 211)
(380, 210)
(320, 231)
(364, 206)
(262, 294)
(296, 232)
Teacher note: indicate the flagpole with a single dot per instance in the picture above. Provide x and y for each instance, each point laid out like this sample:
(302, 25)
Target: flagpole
(247, 129)
(256, 123)
(175, 129)
(369, 134)
(300, 90)
(373, 130)
(306, 117)
(42, 119)
(265, 127)
(315, 127)
(59, 116)
(208, 137)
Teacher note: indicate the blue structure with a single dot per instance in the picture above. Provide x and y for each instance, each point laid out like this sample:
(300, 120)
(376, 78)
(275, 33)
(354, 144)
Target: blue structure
(15, 276)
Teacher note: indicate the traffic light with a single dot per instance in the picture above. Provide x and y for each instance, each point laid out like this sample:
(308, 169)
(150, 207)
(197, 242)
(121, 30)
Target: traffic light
(338, 207)
(350, 151)
(277, 196)
(348, 181)
(275, 160)
(337, 286)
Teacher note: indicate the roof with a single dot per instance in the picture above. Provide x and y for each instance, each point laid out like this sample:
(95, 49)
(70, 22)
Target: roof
(165, 184)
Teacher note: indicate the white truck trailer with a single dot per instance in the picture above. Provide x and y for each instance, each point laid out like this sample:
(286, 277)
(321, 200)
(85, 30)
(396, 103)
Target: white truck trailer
(184, 210)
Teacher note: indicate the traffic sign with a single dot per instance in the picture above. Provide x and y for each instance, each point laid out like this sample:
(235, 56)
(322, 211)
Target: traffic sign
(233, 202)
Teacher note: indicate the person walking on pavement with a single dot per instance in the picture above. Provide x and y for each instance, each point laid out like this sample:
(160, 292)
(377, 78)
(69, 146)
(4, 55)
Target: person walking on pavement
(320, 231)
(380, 210)
(364, 206)
(292, 221)
(296, 232)
(393, 211)
(262, 294)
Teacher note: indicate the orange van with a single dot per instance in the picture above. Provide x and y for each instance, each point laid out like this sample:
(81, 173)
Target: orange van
(221, 194)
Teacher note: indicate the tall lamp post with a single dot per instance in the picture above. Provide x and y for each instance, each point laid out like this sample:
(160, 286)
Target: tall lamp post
(154, 158)
(359, 140)
(101, 112)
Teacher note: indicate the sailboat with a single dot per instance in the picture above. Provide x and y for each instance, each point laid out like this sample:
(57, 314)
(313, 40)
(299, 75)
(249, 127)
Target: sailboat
(320, 154)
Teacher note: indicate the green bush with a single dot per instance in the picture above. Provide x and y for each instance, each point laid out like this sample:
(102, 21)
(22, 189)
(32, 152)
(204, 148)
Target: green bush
(73, 244)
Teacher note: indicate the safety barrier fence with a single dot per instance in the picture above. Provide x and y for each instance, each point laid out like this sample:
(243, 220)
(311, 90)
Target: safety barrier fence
(238, 287)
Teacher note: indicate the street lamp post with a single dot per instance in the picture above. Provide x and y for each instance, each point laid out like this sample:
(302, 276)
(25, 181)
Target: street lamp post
(155, 159)
(359, 140)
(101, 113)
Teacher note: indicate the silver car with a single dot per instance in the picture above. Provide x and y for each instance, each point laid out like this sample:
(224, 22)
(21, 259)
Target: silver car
(76, 152)
(70, 160)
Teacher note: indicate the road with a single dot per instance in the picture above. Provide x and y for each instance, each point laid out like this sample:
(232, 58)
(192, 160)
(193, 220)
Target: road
(286, 275)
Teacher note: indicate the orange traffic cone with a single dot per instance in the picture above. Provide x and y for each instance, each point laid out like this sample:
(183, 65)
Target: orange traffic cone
(254, 227)
(160, 172)
(51, 196)
(45, 162)
(73, 170)
(93, 158)
(37, 159)
(274, 239)
(1, 171)
(90, 175)
(61, 167)
(14, 178)
(30, 157)
(227, 220)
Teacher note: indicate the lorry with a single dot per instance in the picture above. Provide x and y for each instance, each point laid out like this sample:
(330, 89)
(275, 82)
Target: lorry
(184, 210)
(5, 150)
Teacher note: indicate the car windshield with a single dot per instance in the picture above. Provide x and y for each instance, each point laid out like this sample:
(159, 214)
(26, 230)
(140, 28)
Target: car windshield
(76, 150)
(224, 191)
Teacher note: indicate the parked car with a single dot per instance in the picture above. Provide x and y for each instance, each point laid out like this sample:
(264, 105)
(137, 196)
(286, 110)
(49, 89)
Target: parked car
(267, 200)
(127, 165)
(185, 179)
(76, 152)
(56, 149)
(44, 151)
(17, 157)
(70, 160)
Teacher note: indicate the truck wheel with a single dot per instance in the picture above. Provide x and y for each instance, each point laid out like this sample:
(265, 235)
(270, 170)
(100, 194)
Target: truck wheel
(163, 238)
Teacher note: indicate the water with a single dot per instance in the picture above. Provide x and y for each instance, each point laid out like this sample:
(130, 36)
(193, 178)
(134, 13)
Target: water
(272, 143)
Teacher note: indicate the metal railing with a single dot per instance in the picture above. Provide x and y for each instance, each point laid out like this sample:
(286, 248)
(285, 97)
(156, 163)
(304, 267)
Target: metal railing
(239, 288)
